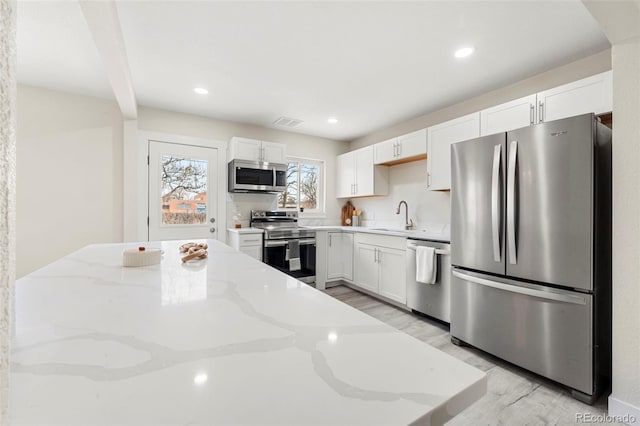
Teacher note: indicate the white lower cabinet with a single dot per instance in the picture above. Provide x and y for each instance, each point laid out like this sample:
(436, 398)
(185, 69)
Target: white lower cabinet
(379, 265)
(247, 241)
(339, 256)
(391, 281)
(366, 267)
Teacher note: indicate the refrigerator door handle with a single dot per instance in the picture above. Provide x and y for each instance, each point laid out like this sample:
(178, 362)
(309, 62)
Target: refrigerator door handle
(511, 202)
(547, 295)
(495, 201)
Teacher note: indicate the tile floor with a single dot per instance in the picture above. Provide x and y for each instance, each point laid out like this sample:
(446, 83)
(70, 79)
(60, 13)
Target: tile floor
(514, 396)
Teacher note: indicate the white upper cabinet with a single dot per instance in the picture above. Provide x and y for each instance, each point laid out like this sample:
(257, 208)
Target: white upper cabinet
(409, 147)
(357, 176)
(273, 152)
(439, 140)
(592, 94)
(346, 174)
(508, 116)
(255, 150)
(385, 152)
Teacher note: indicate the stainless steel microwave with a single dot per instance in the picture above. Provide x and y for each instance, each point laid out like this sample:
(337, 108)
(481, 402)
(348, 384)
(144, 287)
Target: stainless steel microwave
(257, 176)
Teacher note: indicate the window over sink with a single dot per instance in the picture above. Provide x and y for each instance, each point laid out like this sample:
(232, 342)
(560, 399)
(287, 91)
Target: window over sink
(305, 187)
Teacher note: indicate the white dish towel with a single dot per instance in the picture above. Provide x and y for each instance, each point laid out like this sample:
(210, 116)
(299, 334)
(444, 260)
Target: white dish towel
(426, 266)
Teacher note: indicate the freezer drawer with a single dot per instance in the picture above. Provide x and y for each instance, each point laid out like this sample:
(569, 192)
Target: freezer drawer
(544, 330)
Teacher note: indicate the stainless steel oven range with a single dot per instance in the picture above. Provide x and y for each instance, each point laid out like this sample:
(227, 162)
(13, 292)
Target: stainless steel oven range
(286, 246)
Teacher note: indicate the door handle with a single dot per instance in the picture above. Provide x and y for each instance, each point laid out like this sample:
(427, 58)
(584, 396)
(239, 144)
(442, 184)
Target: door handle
(540, 112)
(513, 288)
(495, 202)
(511, 202)
(532, 109)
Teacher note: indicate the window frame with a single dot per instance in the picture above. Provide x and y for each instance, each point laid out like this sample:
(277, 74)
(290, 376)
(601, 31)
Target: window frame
(320, 211)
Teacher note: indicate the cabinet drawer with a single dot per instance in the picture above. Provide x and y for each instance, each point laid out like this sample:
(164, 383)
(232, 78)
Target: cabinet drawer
(389, 241)
(250, 240)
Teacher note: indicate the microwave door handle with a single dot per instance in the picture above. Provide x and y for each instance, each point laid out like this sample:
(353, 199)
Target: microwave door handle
(274, 183)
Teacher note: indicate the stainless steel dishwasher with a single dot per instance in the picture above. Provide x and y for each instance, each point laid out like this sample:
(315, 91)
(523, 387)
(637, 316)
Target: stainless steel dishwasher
(429, 299)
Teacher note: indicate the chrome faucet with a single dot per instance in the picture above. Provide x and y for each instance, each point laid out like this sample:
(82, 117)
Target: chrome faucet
(408, 223)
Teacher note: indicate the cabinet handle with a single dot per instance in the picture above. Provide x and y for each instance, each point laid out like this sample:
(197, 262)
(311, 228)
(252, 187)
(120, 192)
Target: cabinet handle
(395, 149)
(540, 112)
(532, 108)
(399, 149)
(330, 240)
(428, 179)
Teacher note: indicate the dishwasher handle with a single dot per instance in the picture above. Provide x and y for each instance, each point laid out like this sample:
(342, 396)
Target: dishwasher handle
(438, 251)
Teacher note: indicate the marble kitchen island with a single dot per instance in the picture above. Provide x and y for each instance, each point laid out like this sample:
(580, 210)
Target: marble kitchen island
(226, 340)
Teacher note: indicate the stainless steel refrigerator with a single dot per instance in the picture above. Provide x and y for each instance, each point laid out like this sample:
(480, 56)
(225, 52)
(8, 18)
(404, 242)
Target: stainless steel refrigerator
(531, 249)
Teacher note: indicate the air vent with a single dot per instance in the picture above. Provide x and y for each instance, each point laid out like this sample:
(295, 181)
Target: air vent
(287, 122)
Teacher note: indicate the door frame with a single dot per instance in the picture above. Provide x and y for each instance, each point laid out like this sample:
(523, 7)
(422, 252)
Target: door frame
(141, 231)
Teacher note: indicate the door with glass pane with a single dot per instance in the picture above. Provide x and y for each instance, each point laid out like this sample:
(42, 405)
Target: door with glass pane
(182, 191)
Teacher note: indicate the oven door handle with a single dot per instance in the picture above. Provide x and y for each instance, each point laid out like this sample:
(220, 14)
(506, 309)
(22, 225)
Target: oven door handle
(280, 243)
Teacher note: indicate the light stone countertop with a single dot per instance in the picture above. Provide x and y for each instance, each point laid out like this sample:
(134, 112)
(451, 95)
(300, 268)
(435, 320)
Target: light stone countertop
(226, 340)
(246, 230)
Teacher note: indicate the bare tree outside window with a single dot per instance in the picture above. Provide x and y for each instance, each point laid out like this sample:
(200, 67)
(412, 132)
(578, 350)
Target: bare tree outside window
(302, 189)
(289, 198)
(309, 186)
(184, 190)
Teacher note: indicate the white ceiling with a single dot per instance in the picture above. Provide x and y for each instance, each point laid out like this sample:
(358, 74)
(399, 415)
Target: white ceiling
(370, 64)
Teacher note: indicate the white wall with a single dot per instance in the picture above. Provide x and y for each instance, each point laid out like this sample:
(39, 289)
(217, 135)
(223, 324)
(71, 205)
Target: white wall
(7, 192)
(150, 119)
(428, 209)
(626, 228)
(620, 21)
(69, 174)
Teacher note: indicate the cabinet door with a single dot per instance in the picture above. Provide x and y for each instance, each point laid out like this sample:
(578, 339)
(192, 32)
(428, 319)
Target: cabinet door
(273, 152)
(508, 116)
(412, 145)
(345, 175)
(439, 140)
(347, 256)
(384, 152)
(392, 282)
(364, 171)
(591, 94)
(366, 267)
(253, 251)
(245, 149)
(334, 255)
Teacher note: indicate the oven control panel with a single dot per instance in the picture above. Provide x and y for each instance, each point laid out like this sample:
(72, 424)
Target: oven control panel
(274, 214)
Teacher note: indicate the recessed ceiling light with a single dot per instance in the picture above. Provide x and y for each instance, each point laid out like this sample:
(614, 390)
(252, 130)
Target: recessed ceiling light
(332, 120)
(200, 379)
(464, 52)
(200, 90)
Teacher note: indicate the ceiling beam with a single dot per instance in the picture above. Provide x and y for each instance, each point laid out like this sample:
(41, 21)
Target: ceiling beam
(104, 25)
